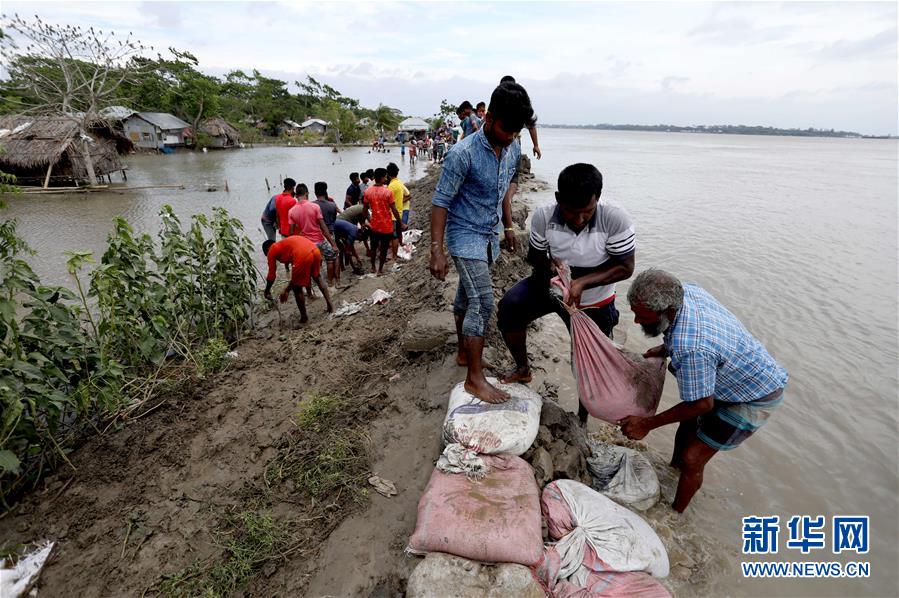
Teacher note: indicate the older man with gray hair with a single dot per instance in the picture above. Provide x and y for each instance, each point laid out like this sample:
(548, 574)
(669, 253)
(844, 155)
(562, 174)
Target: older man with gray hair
(729, 384)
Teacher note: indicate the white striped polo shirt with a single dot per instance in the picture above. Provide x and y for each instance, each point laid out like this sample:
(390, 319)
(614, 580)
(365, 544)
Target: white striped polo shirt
(609, 234)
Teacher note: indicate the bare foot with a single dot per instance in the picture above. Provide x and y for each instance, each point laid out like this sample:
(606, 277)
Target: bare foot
(486, 392)
(521, 375)
(304, 319)
(462, 361)
(330, 308)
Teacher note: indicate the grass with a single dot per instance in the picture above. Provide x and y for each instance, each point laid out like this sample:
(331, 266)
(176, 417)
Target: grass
(318, 411)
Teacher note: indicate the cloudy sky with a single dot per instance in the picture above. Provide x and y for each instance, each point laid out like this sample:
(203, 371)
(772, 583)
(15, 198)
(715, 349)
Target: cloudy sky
(827, 65)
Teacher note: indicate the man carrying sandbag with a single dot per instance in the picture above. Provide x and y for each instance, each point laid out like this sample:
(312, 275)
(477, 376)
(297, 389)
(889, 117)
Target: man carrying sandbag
(728, 382)
(596, 239)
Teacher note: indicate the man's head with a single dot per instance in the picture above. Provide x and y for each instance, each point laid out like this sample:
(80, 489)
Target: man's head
(302, 190)
(509, 111)
(370, 174)
(289, 185)
(507, 79)
(393, 170)
(380, 176)
(354, 178)
(266, 245)
(464, 109)
(481, 109)
(655, 297)
(580, 186)
(321, 189)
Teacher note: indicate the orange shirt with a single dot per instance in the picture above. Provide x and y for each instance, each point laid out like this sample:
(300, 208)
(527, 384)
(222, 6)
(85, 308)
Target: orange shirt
(302, 255)
(379, 199)
(283, 203)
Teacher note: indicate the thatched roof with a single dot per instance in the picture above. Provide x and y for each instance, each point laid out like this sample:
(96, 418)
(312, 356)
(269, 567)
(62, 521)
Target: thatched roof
(30, 144)
(219, 127)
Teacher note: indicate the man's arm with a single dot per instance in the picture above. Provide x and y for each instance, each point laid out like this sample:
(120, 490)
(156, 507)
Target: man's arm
(614, 270)
(635, 427)
(327, 234)
(270, 277)
(533, 133)
(438, 265)
(508, 225)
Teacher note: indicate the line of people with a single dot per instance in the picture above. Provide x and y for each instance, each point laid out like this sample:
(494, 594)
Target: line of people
(375, 211)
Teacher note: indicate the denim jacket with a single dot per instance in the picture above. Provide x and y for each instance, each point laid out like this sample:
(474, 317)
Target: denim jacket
(471, 188)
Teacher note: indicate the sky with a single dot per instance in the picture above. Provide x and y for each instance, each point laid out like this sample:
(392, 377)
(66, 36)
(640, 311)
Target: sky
(799, 64)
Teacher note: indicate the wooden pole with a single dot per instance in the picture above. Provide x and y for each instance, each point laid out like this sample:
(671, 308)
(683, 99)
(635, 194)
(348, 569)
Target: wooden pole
(267, 186)
(47, 178)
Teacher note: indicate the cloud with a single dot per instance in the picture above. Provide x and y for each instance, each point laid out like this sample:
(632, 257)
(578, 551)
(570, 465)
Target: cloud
(165, 14)
(670, 82)
(739, 30)
(880, 43)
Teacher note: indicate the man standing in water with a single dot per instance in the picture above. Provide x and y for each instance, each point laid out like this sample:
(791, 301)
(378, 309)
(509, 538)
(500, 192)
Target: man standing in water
(476, 174)
(729, 383)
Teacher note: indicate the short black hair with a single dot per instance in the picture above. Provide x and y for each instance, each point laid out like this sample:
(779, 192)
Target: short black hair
(463, 106)
(481, 105)
(354, 176)
(266, 245)
(289, 184)
(393, 169)
(507, 79)
(380, 173)
(511, 105)
(370, 173)
(302, 189)
(321, 189)
(365, 174)
(578, 184)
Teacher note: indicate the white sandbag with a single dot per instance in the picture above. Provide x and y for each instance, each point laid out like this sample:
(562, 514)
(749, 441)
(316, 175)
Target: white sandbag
(16, 580)
(413, 235)
(487, 428)
(443, 575)
(580, 517)
(623, 474)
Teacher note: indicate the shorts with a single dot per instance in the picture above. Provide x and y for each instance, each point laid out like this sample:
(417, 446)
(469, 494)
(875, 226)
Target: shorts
(531, 299)
(380, 241)
(306, 268)
(327, 252)
(346, 231)
(397, 229)
(729, 424)
(270, 230)
(474, 297)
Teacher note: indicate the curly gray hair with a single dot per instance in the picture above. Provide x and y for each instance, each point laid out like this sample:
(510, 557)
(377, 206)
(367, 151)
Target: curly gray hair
(657, 290)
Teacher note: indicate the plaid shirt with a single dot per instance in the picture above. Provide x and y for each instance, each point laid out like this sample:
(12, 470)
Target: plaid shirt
(712, 354)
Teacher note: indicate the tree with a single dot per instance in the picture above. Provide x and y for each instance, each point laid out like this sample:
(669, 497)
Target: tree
(67, 71)
(386, 118)
(446, 110)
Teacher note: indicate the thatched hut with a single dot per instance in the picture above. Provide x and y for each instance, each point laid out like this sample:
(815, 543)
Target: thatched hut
(41, 150)
(220, 132)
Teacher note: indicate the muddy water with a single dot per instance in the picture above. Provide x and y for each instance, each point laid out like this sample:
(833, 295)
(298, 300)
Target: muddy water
(798, 238)
(54, 224)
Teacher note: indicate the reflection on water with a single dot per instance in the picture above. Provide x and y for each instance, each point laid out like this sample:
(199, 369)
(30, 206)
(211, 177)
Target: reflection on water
(796, 236)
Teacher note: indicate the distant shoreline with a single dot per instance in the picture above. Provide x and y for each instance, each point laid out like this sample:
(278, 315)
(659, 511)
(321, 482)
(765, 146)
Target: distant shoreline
(726, 130)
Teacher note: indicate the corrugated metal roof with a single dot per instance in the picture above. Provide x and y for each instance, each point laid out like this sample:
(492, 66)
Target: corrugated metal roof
(311, 121)
(163, 120)
(414, 123)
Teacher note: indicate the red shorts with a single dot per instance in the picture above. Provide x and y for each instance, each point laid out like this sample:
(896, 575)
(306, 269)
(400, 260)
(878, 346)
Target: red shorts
(306, 267)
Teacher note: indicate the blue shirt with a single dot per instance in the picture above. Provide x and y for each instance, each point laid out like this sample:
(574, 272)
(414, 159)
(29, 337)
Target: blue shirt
(712, 353)
(471, 188)
(269, 214)
(468, 124)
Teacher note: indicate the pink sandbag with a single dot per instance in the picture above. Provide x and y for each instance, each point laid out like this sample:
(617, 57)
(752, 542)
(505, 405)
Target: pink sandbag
(612, 384)
(494, 520)
(598, 583)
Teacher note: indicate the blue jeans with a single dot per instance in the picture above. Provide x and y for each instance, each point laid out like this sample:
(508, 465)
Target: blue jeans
(474, 298)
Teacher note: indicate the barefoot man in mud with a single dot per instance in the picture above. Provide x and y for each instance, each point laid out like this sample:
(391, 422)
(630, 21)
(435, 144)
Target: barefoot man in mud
(305, 261)
(595, 238)
(465, 208)
(729, 383)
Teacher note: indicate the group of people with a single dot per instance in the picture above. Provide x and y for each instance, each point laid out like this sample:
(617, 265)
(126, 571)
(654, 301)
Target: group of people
(375, 211)
(729, 384)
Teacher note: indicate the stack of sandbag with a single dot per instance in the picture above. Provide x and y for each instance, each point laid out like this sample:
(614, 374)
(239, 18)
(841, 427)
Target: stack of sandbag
(623, 474)
(601, 548)
(443, 575)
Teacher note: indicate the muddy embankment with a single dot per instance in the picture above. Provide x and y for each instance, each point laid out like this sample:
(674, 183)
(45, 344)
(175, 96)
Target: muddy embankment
(254, 480)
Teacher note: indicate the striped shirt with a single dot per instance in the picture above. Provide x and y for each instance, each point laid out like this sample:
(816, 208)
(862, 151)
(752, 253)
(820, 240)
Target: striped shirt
(609, 235)
(712, 353)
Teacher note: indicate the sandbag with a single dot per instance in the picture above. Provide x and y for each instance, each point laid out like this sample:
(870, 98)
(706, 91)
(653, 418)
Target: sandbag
(446, 576)
(623, 474)
(595, 534)
(494, 520)
(612, 383)
(631, 584)
(487, 428)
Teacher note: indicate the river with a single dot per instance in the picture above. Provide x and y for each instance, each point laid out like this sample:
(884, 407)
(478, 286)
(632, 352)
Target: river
(796, 236)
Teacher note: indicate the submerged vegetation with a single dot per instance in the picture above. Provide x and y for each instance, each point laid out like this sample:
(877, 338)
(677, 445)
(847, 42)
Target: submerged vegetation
(153, 313)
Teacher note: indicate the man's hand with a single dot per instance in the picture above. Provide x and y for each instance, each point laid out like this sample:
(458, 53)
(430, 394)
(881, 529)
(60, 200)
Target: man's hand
(404, 226)
(574, 293)
(635, 427)
(284, 295)
(556, 265)
(438, 265)
(511, 241)
(537, 152)
(659, 351)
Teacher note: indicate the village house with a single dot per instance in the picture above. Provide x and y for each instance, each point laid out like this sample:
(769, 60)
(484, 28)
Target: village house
(220, 133)
(156, 130)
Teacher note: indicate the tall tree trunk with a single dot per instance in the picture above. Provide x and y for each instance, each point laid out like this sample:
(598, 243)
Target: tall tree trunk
(196, 124)
(88, 161)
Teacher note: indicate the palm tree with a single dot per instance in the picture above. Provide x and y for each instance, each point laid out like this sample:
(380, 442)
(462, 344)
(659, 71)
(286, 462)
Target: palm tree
(386, 118)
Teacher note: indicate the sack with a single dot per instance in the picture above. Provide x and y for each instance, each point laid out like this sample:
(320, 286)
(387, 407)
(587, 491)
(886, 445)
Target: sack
(612, 384)
(595, 534)
(631, 584)
(508, 427)
(623, 474)
(442, 575)
(494, 520)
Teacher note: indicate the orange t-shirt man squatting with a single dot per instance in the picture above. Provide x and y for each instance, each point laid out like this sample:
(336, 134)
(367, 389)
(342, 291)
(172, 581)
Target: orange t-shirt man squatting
(302, 255)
